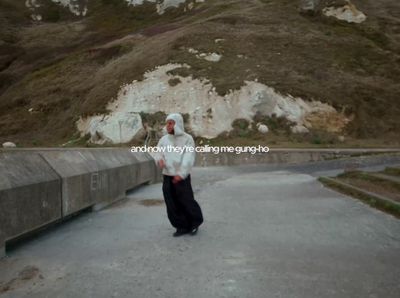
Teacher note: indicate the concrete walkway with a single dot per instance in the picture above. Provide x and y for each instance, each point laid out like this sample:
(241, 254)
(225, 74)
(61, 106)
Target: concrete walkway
(268, 232)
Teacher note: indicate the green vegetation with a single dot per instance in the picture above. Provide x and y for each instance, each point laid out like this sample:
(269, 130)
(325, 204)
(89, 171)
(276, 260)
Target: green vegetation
(371, 200)
(392, 171)
(377, 191)
(373, 180)
(153, 120)
(278, 125)
(173, 82)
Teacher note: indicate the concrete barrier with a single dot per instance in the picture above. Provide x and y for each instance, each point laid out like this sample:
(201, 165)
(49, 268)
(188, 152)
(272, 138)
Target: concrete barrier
(98, 177)
(2, 244)
(148, 170)
(278, 156)
(30, 194)
(38, 187)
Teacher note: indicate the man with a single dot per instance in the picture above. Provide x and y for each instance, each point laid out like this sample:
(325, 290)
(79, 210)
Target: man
(177, 160)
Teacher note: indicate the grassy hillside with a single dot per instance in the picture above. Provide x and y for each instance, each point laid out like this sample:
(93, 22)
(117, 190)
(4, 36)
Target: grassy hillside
(68, 66)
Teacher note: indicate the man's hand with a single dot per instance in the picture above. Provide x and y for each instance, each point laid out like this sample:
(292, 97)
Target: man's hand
(176, 179)
(161, 163)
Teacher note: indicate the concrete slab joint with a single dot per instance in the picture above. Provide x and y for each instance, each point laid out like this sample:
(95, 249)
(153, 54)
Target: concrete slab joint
(2, 245)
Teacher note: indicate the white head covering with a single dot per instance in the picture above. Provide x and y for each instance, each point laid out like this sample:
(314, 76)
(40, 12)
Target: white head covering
(178, 128)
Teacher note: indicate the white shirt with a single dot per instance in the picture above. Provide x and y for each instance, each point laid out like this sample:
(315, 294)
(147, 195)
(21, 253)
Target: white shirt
(176, 163)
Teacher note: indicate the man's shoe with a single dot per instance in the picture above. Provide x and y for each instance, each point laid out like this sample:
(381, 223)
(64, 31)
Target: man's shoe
(180, 232)
(194, 231)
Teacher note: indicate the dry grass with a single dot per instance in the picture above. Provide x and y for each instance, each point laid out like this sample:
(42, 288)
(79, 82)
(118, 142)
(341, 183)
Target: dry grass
(371, 200)
(373, 184)
(353, 67)
(392, 171)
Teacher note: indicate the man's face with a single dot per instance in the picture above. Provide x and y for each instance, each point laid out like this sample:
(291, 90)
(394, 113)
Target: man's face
(170, 126)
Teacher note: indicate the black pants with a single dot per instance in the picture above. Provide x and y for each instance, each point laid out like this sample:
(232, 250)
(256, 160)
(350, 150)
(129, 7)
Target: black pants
(182, 209)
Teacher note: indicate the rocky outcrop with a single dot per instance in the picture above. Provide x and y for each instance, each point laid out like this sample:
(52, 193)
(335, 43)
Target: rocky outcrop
(76, 7)
(343, 10)
(309, 6)
(262, 128)
(116, 128)
(347, 12)
(9, 145)
(209, 113)
(80, 7)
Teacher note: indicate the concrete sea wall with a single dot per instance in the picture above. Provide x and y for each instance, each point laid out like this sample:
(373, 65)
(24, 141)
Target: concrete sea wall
(43, 186)
(39, 187)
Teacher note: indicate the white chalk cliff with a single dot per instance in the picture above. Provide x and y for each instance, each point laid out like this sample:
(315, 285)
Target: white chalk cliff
(209, 113)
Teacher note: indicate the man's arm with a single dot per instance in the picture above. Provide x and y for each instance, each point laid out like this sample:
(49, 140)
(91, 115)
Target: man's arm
(188, 159)
(159, 157)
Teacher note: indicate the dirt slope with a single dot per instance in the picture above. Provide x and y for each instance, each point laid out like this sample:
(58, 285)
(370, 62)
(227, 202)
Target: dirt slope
(54, 71)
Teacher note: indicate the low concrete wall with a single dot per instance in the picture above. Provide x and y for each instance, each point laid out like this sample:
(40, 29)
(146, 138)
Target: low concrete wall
(146, 169)
(277, 156)
(2, 244)
(98, 177)
(38, 187)
(30, 194)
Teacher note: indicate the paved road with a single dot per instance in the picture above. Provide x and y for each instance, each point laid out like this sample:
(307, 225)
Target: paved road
(269, 231)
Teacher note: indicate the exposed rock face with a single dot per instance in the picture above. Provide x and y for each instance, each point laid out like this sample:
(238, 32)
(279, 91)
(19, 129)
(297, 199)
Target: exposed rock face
(116, 128)
(347, 12)
(209, 113)
(9, 145)
(76, 7)
(262, 128)
(309, 4)
(161, 5)
(211, 57)
(80, 7)
(299, 129)
(341, 9)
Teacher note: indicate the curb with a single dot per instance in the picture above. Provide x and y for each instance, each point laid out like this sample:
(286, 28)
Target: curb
(370, 198)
